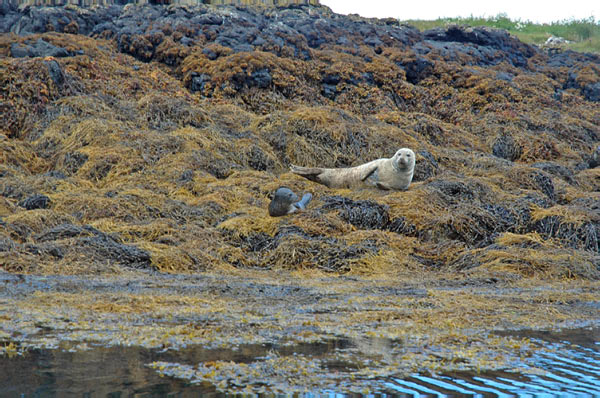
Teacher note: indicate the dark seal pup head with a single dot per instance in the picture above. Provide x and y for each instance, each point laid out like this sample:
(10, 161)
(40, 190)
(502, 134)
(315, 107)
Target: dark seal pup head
(286, 202)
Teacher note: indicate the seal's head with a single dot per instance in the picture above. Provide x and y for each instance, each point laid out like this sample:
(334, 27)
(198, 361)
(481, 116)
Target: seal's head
(404, 159)
(282, 202)
(285, 195)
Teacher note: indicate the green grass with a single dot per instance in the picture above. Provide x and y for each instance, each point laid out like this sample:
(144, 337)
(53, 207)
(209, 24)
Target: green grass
(584, 34)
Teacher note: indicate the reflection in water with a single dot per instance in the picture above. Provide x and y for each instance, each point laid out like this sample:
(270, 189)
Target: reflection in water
(570, 368)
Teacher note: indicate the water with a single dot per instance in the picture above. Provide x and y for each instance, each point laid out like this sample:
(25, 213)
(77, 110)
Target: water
(571, 368)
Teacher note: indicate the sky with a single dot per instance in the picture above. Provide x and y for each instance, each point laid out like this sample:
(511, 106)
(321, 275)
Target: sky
(524, 10)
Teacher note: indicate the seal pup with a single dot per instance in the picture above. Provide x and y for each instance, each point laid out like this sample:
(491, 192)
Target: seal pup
(286, 202)
(393, 173)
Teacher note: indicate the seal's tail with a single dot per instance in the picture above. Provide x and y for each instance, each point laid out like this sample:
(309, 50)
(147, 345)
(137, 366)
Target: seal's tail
(304, 201)
(311, 173)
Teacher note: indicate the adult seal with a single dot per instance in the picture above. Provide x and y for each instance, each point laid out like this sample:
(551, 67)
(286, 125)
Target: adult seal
(393, 173)
(286, 202)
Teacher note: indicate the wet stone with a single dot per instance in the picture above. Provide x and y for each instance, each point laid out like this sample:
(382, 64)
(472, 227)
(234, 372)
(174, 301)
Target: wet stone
(329, 91)
(260, 78)
(417, 69)
(55, 72)
(40, 48)
(591, 92)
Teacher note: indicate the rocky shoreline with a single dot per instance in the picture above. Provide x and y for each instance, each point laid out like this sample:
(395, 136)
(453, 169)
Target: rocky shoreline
(140, 145)
(465, 98)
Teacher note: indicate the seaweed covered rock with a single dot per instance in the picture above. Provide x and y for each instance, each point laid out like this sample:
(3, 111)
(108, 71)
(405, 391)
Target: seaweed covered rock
(505, 147)
(478, 41)
(35, 202)
(363, 214)
(39, 48)
(156, 134)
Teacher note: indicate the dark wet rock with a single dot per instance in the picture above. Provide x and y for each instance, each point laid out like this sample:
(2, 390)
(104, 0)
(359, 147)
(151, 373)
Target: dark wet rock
(329, 91)
(591, 92)
(363, 214)
(35, 202)
(465, 53)
(426, 166)
(556, 170)
(39, 48)
(56, 73)
(417, 69)
(260, 78)
(507, 77)
(373, 41)
(210, 54)
(505, 147)
(343, 41)
(484, 38)
(571, 81)
(570, 58)
(331, 79)
(207, 19)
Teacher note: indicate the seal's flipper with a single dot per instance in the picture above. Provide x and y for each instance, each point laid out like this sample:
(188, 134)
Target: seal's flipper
(301, 205)
(312, 173)
(370, 173)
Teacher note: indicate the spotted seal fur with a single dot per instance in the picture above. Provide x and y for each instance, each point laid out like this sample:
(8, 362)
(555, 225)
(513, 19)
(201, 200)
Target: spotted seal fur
(393, 173)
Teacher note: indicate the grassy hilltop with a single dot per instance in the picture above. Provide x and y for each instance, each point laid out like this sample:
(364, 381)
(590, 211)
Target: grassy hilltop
(582, 35)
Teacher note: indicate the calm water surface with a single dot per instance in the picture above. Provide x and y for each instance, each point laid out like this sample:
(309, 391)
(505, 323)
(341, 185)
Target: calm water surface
(571, 369)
